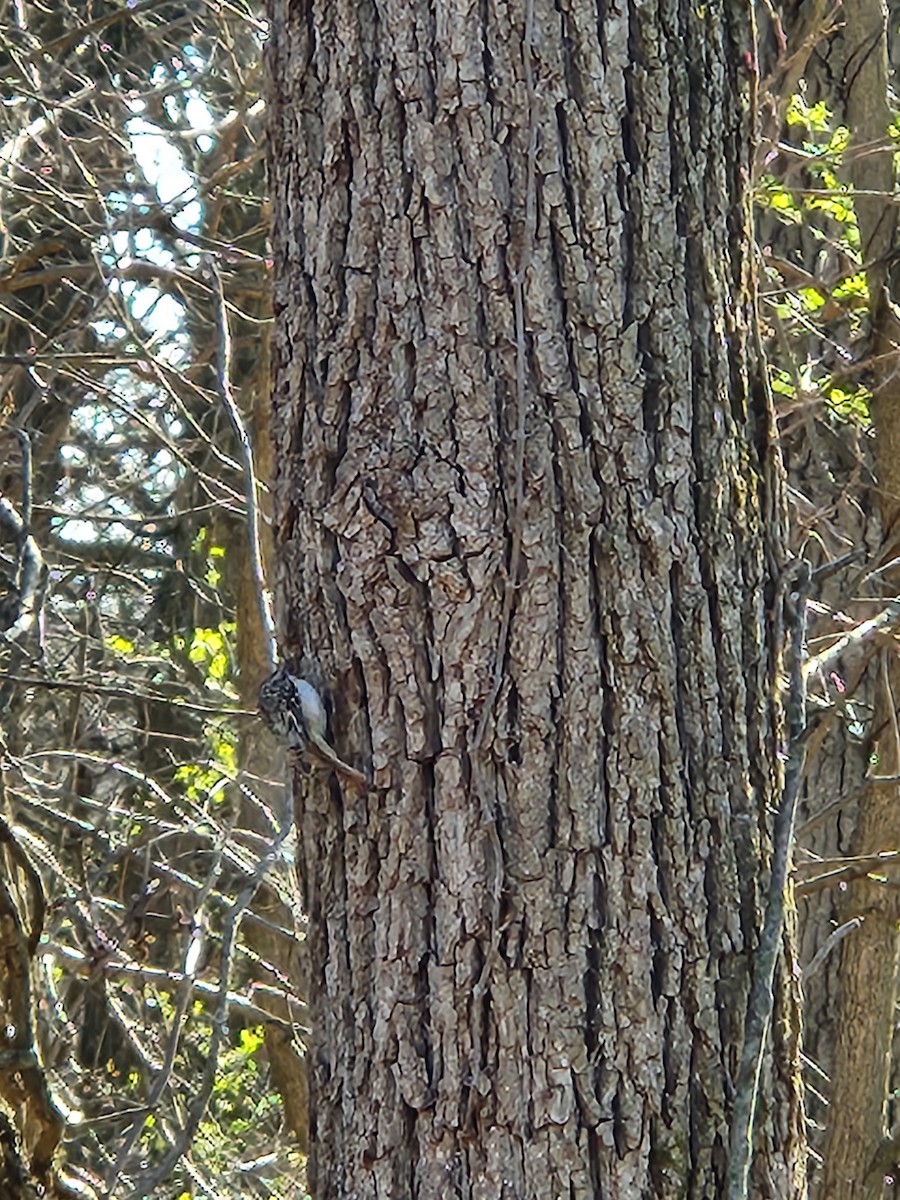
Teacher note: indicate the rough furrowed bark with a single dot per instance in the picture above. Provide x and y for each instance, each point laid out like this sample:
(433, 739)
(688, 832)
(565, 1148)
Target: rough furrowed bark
(526, 519)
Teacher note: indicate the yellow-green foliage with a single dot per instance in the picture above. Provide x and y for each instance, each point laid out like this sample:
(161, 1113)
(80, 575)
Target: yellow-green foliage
(831, 307)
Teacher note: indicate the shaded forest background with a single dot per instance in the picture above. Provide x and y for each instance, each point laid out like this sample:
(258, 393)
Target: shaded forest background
(152, 936)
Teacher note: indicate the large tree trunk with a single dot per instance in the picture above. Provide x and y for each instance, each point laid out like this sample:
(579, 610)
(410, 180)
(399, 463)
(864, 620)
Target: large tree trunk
(527, 520)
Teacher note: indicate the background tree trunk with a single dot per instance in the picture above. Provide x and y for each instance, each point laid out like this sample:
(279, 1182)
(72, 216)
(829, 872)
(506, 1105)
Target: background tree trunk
(528, 521)
(862, 1152)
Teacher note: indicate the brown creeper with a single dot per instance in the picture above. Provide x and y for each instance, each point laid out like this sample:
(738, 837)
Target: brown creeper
(295, 712)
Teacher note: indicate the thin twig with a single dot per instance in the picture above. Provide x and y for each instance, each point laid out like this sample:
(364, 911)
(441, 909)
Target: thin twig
(821, 873)
(820, 574)
(251, 487)
(169, 981)
(122, 693)
(27, 498)
(889, 616)
(761, 1001)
